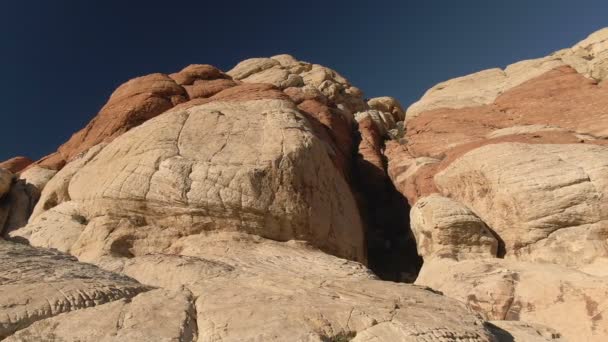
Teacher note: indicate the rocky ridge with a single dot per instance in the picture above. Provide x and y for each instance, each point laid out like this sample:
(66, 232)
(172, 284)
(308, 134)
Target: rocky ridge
(247, 204)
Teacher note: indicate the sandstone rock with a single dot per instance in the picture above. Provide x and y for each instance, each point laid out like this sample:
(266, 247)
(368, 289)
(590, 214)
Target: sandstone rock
(157, 315)
(267, 290)
(16, 164)
(131, 104)
(388, 104)
(192, 73)
(545, 202)
(516, 331)
(412, 176)
(37, 284)
(284, 71)
(24, 194)
(568, 301)
(445, 228)
(251, 66)
(256, 168)
(383, 120)
(37, 176)
(589, 58)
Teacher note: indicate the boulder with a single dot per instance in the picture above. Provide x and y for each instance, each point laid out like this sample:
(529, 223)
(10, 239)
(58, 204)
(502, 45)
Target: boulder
(252, 166)
(156, 315)
(445, 228)
(545, 202)
(265, 290)
(389, 105)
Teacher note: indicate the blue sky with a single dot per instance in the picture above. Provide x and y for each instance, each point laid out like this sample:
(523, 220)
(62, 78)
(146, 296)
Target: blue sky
(60, 60)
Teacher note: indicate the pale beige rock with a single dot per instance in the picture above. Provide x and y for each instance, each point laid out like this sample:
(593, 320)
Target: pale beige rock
(279, 77)
(56, 189)
(251, 166)
(37, 176)
(589, 57)
(156, 315)
(284, 71)
(36, 284)
(388, 104)
(546, 202)
(24, 195)
(264, 290)
(251, 66)
(57, 228)
(523, 129)
(447, 229)
(516, 331)
(566, 300)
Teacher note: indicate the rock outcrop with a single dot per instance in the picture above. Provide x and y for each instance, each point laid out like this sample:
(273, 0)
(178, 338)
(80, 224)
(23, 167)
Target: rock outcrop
(248, 205)
(232, 197)
(37, 284)
(16, 164)
(512, 164)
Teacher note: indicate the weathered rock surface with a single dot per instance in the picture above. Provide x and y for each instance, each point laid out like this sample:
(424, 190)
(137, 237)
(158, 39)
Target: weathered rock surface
(131, 104)
(251, 166)
(16, 164)
(516, 331)
(249, 289)
(546, 202)
(445, 228)
(36, 284)
(523, 153)
(237, 193)
(24, 193)
(569, 301)
(157, 315)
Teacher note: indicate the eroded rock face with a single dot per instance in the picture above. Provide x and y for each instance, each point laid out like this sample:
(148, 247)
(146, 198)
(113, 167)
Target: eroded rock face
(445, 228)
(230, 192)
(36, 284)
(268, 290)
(523, 153)
(156, 315)
(16, 164)
(251, 166)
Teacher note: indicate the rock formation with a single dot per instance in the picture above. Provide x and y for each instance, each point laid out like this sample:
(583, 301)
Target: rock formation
(512, 164)
(272, 201)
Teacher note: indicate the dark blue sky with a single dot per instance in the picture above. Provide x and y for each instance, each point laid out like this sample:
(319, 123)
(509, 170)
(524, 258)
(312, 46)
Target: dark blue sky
(60, 60)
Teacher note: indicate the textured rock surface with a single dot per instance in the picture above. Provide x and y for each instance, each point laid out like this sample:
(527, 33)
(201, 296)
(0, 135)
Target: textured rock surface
(157, 315)
(251, 289)
(251, 166)
(231, 191)
(523, 152)
(546, 202)
(515, 331)
(569, 301)
(16, 164)
(36, 284)
(445, 228)
(25, 191)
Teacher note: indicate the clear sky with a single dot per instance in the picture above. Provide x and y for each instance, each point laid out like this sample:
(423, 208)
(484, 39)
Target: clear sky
(60, 60)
